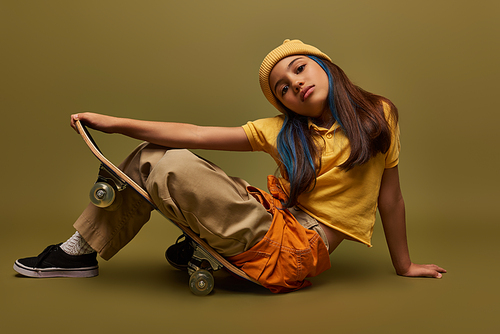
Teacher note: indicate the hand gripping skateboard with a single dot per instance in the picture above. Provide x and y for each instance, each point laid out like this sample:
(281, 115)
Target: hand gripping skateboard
(106, 193)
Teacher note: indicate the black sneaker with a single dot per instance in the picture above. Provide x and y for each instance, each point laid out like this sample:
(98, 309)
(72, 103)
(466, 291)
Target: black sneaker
(179, 254)
(54, 262)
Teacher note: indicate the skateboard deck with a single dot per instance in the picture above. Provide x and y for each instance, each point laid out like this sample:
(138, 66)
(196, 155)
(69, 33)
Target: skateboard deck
(205, 259)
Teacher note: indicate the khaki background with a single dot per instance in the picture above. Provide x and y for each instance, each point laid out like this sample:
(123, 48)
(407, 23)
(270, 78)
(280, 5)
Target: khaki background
(197, 61)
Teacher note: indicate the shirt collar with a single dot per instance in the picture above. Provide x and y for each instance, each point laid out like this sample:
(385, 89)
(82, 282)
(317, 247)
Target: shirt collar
(321, 130)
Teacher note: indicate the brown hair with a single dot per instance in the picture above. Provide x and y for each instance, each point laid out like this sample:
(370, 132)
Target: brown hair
(363, 119)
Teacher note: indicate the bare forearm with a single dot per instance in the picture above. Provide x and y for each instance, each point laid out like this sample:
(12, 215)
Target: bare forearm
(394, 223)
(162, 133)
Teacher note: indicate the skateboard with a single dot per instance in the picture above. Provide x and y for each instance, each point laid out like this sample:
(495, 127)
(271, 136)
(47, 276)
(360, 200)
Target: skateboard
(106, 194)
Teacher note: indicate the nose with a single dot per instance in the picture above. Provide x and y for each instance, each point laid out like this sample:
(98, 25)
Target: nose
(297, 85)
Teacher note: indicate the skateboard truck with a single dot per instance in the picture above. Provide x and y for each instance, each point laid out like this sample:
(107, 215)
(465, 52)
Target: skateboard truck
(104, 192)
(200, 267)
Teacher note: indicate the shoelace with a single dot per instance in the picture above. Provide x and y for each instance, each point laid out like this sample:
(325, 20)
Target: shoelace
(43, 255)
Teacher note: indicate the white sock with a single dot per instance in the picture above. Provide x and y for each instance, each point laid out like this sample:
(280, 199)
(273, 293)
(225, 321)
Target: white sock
(76, 245)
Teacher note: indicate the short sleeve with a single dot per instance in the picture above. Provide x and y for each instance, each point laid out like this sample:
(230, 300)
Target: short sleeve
(262, 133)
(392, 155)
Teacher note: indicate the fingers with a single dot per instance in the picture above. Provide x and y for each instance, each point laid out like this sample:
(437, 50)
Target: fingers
(437, 271)
(436, 274)
(74, 118)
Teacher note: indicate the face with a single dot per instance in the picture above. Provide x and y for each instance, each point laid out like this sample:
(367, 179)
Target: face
(301, 85)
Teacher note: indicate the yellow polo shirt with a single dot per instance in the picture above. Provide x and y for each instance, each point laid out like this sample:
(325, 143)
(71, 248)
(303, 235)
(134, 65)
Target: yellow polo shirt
(346, 201)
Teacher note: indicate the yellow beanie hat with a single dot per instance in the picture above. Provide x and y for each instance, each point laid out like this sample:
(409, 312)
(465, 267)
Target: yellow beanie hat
(288, 48)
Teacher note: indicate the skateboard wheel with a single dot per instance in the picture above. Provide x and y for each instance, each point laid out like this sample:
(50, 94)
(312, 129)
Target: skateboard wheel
(201, 282)
(102, 195)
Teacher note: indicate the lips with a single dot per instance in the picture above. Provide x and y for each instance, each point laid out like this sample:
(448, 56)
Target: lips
(304, 94)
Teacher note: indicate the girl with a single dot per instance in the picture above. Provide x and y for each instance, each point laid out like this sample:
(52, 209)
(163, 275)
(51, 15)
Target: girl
(337, 149)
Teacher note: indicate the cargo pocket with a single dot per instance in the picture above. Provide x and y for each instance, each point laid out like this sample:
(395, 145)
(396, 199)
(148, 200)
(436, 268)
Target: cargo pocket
(255, 264)
(309, 223)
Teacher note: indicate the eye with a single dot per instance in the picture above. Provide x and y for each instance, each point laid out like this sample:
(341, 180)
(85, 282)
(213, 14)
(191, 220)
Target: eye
(300, 68)
(284, 90)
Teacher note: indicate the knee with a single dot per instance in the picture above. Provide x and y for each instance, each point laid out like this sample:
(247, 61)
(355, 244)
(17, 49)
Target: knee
(176, 162)
(179, 175)
(177, 166)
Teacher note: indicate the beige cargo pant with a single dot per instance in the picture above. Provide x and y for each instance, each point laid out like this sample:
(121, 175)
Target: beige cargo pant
(187, 189)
